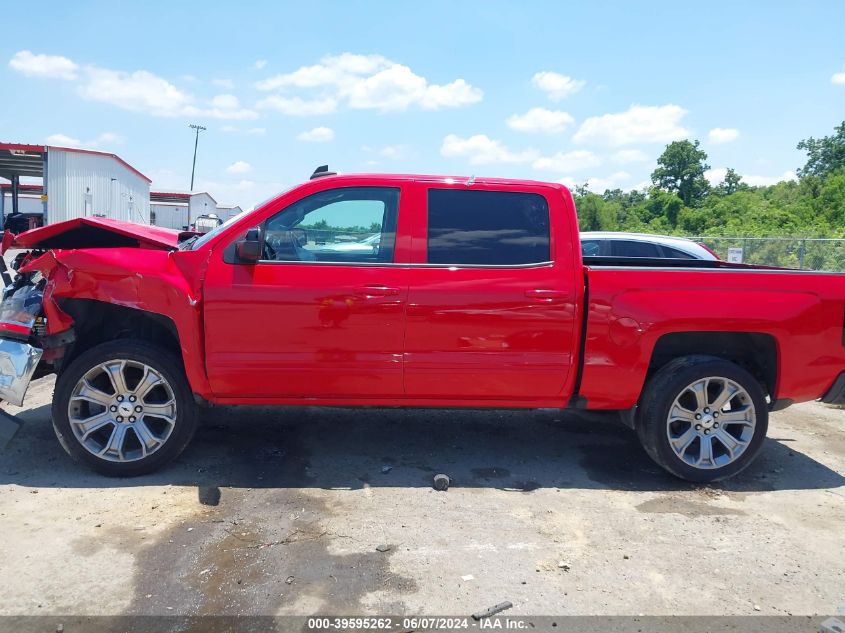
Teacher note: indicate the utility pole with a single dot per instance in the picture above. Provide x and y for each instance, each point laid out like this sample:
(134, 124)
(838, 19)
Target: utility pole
(199, 129)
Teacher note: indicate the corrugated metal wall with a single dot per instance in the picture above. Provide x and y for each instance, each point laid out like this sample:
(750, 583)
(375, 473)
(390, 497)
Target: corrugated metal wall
(226, 213)
(173, 216)
(202, 204)
(80, 184)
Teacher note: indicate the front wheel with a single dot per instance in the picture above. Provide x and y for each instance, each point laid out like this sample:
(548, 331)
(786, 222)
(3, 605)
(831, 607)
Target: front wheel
(124, 408)
(702, 418)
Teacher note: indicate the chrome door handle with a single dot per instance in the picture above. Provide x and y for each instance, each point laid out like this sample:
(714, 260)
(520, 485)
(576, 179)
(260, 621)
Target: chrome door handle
(377, 291)
(546, 295)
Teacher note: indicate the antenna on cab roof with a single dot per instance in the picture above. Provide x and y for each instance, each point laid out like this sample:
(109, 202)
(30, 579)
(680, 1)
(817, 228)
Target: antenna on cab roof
(322, 170)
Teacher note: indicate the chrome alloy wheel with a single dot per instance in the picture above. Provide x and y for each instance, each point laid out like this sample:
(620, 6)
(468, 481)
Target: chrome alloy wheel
(122, 410)
(711, 423)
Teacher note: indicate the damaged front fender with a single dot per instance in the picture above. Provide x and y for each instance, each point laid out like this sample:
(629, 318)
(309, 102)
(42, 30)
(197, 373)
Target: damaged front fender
(162, 282)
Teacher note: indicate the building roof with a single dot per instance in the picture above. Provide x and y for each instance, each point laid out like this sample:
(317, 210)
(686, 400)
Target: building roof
(23, 159)
(30, 189)
(169, 196)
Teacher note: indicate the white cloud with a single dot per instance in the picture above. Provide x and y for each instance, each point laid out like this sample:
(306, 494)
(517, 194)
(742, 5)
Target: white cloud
(317, 135)
(567, 162)
(295, 106)
(102, 140)
(393, 151)
(838, 79)
(717, 175)
(596, 184)
(555, 85)
(765, 181)
(226, 84)
(370, 82)
(63, 140)
(51, 66)
(239, 167)
(223, 106)
(482, 150)
(540, 120)
(638, 124)
(140, 91)
(259, 64)
(137, 91)
(723, 134)
(627, 156)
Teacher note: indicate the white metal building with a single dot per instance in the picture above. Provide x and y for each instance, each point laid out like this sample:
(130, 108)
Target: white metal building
(228, 211)
(170, 209)
(76, 183)
(82, 183)
(179, 209)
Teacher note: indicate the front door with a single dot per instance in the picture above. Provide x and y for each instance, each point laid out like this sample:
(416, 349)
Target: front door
(322, 314)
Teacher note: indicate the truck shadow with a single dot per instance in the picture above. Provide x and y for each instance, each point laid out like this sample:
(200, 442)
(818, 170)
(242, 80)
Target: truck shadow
(310, 447)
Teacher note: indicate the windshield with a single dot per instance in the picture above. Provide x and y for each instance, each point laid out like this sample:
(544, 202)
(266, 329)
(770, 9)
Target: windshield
(195, 242)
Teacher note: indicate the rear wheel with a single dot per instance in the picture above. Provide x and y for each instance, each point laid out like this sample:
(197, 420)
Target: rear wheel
(702, 418)
(124, 408)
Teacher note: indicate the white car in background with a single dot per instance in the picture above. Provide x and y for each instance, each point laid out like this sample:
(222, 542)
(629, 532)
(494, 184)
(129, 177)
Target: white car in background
(610, 244)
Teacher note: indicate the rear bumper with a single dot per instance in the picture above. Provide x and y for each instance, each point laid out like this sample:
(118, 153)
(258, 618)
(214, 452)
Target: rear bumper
(18, 361)
(836, 394)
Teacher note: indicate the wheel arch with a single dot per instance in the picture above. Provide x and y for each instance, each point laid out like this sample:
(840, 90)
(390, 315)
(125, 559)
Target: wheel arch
(97, 322)
(755, 352)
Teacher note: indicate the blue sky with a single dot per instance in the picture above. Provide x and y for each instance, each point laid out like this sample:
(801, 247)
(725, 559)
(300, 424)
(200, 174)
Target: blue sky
(577, 92)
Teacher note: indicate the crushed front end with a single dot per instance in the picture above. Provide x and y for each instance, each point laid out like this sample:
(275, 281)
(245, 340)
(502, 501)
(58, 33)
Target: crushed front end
(26, 350)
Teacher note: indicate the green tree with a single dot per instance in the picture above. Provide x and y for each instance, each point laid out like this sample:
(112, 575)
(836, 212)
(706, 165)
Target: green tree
(731, 183)
(824, 155)
(680, 170)
(594, 214)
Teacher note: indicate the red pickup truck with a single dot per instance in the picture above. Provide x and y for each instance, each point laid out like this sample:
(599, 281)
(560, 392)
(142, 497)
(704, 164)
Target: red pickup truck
(412, 291)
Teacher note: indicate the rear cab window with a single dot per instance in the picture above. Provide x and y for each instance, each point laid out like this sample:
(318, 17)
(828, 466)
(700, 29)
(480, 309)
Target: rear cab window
(487, 228)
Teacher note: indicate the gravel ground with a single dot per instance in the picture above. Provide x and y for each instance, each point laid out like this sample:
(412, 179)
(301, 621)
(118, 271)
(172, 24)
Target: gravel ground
(307, 510)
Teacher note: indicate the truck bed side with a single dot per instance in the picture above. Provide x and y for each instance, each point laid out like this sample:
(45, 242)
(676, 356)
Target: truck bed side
(638, 317)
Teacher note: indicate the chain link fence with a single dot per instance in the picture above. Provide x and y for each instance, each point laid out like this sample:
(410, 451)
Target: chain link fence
(788, 252)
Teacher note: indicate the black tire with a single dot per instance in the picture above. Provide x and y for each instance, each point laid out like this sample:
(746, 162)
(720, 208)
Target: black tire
(168, 366)
(659, 396)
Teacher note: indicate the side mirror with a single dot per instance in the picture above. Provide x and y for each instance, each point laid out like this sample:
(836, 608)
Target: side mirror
(249, 248)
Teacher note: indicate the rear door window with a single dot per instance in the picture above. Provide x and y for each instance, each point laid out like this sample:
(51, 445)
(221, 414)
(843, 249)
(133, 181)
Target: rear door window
(487, 227)
(590, 248)
(676, 254)
(631, 248)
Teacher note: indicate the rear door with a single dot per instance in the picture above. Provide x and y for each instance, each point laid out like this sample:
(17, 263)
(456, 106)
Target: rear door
(492, 296)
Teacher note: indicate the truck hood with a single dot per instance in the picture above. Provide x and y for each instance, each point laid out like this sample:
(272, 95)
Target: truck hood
(96, 233)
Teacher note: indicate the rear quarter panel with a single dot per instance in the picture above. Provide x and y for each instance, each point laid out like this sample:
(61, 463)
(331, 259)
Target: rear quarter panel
(630, 309)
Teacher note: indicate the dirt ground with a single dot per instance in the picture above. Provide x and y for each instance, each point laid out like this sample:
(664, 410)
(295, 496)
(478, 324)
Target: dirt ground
(306, 510)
